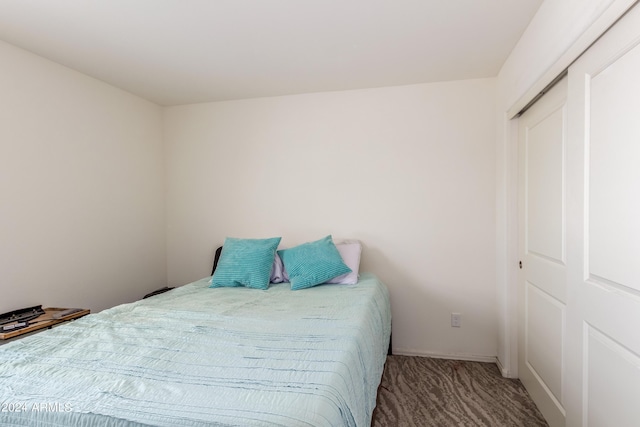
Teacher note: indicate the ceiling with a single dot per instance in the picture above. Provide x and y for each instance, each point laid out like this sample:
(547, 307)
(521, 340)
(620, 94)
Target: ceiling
(187, 51)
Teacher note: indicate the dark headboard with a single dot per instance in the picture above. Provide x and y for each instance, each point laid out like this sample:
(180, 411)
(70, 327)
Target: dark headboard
(215, 259)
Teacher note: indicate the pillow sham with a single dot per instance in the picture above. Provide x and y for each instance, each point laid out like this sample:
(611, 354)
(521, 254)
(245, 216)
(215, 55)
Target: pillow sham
(245, 262)
(313, 263)
(350, 251)
(278, 273)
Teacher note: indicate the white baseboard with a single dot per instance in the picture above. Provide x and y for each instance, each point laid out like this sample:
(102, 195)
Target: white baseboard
(453, 356)
(503, 370)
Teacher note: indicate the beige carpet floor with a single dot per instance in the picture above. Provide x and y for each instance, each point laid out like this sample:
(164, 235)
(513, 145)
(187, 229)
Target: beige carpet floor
(420, 391)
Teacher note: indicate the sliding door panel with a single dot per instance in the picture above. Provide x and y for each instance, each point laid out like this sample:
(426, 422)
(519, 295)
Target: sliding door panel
(603, 254)
(542, 235)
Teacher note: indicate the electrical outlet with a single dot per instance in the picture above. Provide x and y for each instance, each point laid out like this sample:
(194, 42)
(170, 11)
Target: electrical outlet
(456, 320)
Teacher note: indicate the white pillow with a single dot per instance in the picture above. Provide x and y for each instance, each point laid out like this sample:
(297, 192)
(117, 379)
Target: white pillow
(278, 273)
(350, 251)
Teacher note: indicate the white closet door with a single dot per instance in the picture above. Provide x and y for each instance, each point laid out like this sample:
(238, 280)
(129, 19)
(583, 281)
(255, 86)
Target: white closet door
(542, 245)
(603, 218)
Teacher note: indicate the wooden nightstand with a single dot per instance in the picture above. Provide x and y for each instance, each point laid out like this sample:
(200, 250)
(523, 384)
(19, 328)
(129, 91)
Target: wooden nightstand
(45, 321)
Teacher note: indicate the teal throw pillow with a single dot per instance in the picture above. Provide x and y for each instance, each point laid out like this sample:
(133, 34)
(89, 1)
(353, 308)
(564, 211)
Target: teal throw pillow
(245, 262)
(313, 263)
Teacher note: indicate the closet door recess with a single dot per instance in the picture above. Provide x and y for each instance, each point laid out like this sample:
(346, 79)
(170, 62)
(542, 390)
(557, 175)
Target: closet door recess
(579, 232)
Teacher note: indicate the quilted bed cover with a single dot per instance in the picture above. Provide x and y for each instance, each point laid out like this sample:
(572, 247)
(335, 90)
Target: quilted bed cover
(198, 356)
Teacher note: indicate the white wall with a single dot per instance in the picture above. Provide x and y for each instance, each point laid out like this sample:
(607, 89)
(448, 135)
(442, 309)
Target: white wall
(408, 170)
(559, 32)
(81, 188)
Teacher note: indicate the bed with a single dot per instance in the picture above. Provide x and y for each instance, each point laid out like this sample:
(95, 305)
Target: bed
(199, 356)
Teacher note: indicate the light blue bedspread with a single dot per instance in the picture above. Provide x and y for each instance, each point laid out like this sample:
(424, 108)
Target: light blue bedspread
(198, 356)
